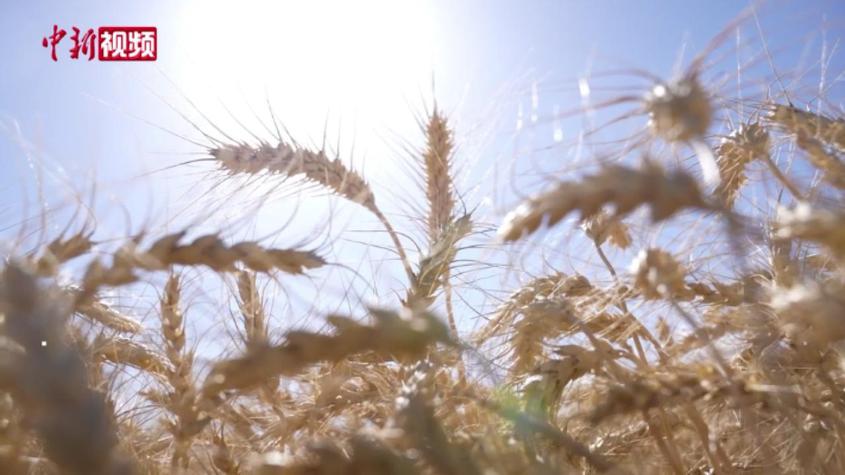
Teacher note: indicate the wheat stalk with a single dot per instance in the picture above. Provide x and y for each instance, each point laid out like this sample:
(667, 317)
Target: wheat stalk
(222, 457)
(434, 267)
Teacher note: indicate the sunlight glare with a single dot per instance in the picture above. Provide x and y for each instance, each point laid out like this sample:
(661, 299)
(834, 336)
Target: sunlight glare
(359, 64)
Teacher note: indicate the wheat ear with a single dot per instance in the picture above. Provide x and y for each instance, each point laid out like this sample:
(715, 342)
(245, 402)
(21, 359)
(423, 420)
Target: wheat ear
(602, 227)
(540, 288)
(625, 188)
(61, 250)
(817, 135)
(289, 160)
(800, 122)
(101, 312)
(394, 335)
(679, 111)
(821, 158)
(252, 311)
(123, 351)
(823, 226)
(437, 158)
(182, 401)
(737, 150)
(207, 250)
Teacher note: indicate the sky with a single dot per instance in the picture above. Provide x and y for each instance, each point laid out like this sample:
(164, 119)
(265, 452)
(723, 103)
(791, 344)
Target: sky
(366, 67)
(357, 76)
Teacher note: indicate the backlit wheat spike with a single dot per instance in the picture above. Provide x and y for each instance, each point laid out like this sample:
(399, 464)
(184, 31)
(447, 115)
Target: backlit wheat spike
(716, 293)
(826, 227)
(288, 160)
(211, 251)
(172, 321)
(529, 333)
(657, 274)
(593, 321)
(97, 310)
(49, 381)
(748, 143)
(400, 335)
(540, 288)
(811, 314)
(804, 123)
(601, 227)
(830, 164)
(818, 136)
(123, 351)
(207, 250)
(437, 158)
(714, 329)
(181, 401)
(255, 332)
(625, 188)
(252, 310)
(61, 250)
(679, 111)
(561, 316)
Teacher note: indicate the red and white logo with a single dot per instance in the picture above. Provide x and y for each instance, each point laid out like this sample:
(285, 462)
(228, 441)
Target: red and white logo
(110, 43)
(128, 43)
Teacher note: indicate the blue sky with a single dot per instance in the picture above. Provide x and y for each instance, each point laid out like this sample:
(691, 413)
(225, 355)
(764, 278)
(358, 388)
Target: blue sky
(362, 72)
(479, 53)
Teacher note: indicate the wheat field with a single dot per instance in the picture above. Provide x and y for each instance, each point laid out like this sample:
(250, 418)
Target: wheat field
(705, 337)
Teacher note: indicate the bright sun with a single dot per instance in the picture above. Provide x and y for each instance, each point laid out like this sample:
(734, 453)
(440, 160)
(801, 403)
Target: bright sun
(362, 63)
